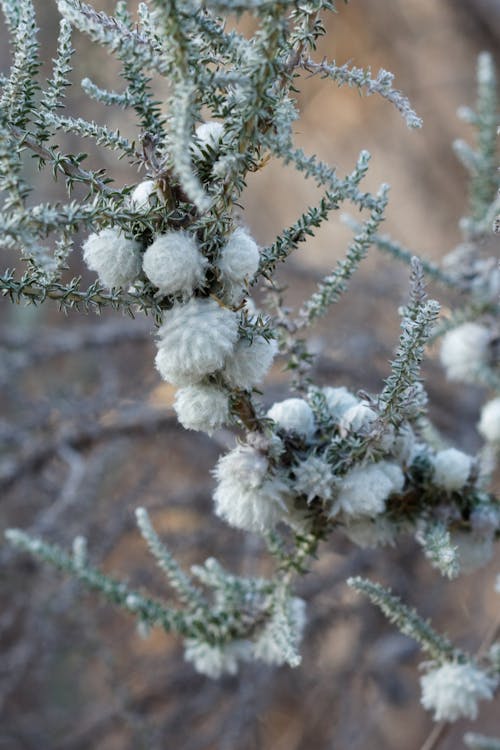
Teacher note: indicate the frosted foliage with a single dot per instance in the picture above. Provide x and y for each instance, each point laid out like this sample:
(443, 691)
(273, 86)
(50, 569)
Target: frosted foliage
(115, 259)
(239, 258)
(489, 424)
(365, 489)
(371, 532)
(453, 690)
(451, 469)
(338, 400)
(214, 661)
(474, 550)
(464, 350)
(249, 363)
(202, 407)
(267, 647)
(139, 198)
(174, 263)
(195, 340)
(247, 496)
(313, 478)
(294, 415)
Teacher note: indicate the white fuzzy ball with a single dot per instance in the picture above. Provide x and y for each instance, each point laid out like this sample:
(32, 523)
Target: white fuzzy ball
(247, 495)
(139, 197)
(365, 489)
(195, 340)
(339, 400)
(174, 263)
(116, 259)
(249, 362)
(451, 469)
(453, 690)
(294, 415)
(239, 258)
(202, 407)
(313, 477)
(464, 350)
(489, 424)
(207, 134)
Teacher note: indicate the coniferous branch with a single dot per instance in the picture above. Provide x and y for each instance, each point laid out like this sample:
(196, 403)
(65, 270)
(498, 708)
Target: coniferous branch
(402, 395)
(102, 135)
(35, 290)
(481, 162)
(395, 249)
(182, 584)
(17, 97)
(405, 618)
(362, 79)
(333, 285)
(151, 611)
(313, 218)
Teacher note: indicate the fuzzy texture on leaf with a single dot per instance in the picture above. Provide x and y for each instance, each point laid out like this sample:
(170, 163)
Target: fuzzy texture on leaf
(139, 197)
(489, 424)
(247, 496)
(239, 258)
(214, 661)
(174, 263)
(464, 350)
(453, 690)
(248, 364)
(451, 469)
(202, 407)
(195, 340)
(294, 415)
(365, 489)
(116, 259)
(357, 417)
(313, 478)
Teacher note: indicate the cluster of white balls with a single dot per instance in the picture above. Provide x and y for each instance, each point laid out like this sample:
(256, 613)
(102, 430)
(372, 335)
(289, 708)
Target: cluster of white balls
(255, 491)
(199, 336)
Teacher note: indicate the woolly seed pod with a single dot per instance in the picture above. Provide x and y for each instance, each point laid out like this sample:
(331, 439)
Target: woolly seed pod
(247, 496)
(202, 407)
(464, 350)
(207, 134)
(115, 259)
(365, 489)
(249, 362)
(139, 197)
(489, 424)
(195, 340)
(453, 690)
(451, 469)
(174, 263)
(294, 415)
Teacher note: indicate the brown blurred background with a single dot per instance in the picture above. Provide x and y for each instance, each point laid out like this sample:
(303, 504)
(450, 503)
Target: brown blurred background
(87, 434)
